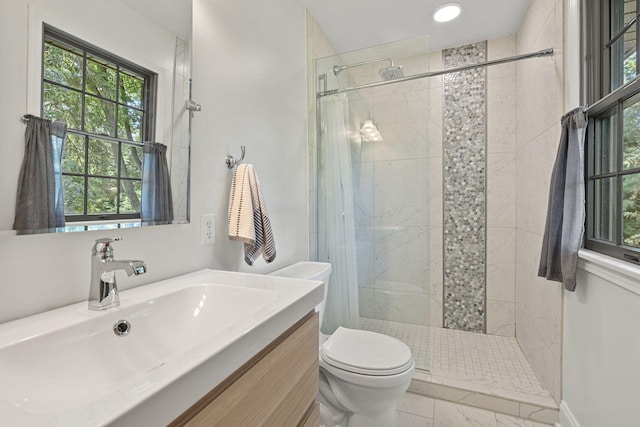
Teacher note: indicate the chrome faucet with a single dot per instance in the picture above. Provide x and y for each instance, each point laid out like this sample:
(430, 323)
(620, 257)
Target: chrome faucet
(103, 292)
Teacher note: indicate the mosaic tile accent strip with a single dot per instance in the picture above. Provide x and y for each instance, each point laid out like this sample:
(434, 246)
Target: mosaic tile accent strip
(464, 192)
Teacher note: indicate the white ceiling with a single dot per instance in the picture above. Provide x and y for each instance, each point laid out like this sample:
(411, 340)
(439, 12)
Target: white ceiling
(172, 15)
(357, 24)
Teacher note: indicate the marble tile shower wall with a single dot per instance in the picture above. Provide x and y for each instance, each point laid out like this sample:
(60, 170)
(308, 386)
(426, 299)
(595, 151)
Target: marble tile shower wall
(500, 190)
(540, 95)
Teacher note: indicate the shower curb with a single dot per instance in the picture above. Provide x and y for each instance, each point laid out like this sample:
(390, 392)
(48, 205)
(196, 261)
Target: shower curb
(530, 407)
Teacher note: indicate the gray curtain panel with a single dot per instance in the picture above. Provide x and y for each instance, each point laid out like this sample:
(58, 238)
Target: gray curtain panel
(564, 227)
(157, 202)
(57, 139)
(39, 200)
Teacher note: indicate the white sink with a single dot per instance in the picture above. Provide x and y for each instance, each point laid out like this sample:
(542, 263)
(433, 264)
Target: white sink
(68, 367)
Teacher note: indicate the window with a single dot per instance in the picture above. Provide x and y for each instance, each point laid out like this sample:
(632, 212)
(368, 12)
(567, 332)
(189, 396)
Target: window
(613, 144)
(108, 105)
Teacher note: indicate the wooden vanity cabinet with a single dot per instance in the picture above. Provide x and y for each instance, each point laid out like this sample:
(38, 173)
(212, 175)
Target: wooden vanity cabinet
(277, 387)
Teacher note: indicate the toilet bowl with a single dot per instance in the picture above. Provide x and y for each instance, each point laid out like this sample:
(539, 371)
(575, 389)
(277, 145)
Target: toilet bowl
(362, 373)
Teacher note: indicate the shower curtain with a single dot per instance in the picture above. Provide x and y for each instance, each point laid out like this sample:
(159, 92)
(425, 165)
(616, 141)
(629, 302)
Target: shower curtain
(336, 222)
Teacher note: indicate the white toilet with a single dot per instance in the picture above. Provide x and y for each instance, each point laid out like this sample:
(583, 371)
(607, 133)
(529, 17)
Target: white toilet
(362, 373)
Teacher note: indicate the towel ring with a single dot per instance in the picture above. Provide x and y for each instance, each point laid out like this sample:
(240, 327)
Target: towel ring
(232, 161)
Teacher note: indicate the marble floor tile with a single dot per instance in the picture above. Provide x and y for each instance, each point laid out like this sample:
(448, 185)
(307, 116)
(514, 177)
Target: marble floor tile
(509, 421)
(455, 415)
(449, 414)
(416, 404)
(406, 419)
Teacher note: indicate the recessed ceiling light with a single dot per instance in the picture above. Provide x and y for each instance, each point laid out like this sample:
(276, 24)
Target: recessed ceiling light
(447, 12)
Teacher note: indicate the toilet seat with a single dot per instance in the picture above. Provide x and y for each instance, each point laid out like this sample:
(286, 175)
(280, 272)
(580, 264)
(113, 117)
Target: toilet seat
(366, 353)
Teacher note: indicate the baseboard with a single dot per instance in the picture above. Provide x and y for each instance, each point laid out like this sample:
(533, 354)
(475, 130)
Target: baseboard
(566, 417)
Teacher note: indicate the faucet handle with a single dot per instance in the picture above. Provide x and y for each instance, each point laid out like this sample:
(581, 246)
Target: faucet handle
(103, 245)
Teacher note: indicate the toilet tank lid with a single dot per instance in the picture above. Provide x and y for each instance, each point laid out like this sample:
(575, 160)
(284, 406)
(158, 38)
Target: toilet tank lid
(305, 270)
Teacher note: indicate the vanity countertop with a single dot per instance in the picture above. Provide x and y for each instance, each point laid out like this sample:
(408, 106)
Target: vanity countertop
(187, 334)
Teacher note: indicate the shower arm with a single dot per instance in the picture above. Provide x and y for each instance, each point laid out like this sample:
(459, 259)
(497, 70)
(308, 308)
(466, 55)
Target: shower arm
(544, 52)
(337, 69)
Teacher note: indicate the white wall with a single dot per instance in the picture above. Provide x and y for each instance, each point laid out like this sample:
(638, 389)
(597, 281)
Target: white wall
(539, 95)
(249, 75)
(602, 347)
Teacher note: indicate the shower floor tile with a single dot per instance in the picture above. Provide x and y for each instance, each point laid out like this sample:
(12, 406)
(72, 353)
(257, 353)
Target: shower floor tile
(481, 363)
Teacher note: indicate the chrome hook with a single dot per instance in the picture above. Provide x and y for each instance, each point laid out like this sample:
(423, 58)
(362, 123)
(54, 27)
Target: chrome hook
(192, 106)
(232, 161)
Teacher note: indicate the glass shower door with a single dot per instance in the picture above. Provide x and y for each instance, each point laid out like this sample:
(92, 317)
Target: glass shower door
(389, 187)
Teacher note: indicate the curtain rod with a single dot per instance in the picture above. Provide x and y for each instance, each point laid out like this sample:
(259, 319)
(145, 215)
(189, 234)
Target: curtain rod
(544, 52)
(27, 117)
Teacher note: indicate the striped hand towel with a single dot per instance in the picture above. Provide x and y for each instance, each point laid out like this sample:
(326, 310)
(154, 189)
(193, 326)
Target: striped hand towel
(248, 218)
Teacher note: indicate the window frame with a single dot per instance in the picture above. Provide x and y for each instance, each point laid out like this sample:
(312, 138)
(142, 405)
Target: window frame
(602, 100)
(147, 133)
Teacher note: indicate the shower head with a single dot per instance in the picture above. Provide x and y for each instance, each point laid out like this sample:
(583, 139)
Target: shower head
(391, 72)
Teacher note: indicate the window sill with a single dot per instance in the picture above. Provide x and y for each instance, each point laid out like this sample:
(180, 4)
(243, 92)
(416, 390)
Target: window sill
(101, 225)
(78, 226)
(620, 273)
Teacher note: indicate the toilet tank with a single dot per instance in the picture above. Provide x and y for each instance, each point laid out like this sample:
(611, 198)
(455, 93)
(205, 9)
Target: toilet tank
(312, 271)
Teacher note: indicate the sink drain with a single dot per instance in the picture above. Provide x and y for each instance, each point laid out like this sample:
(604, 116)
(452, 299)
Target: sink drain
(121, 328)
